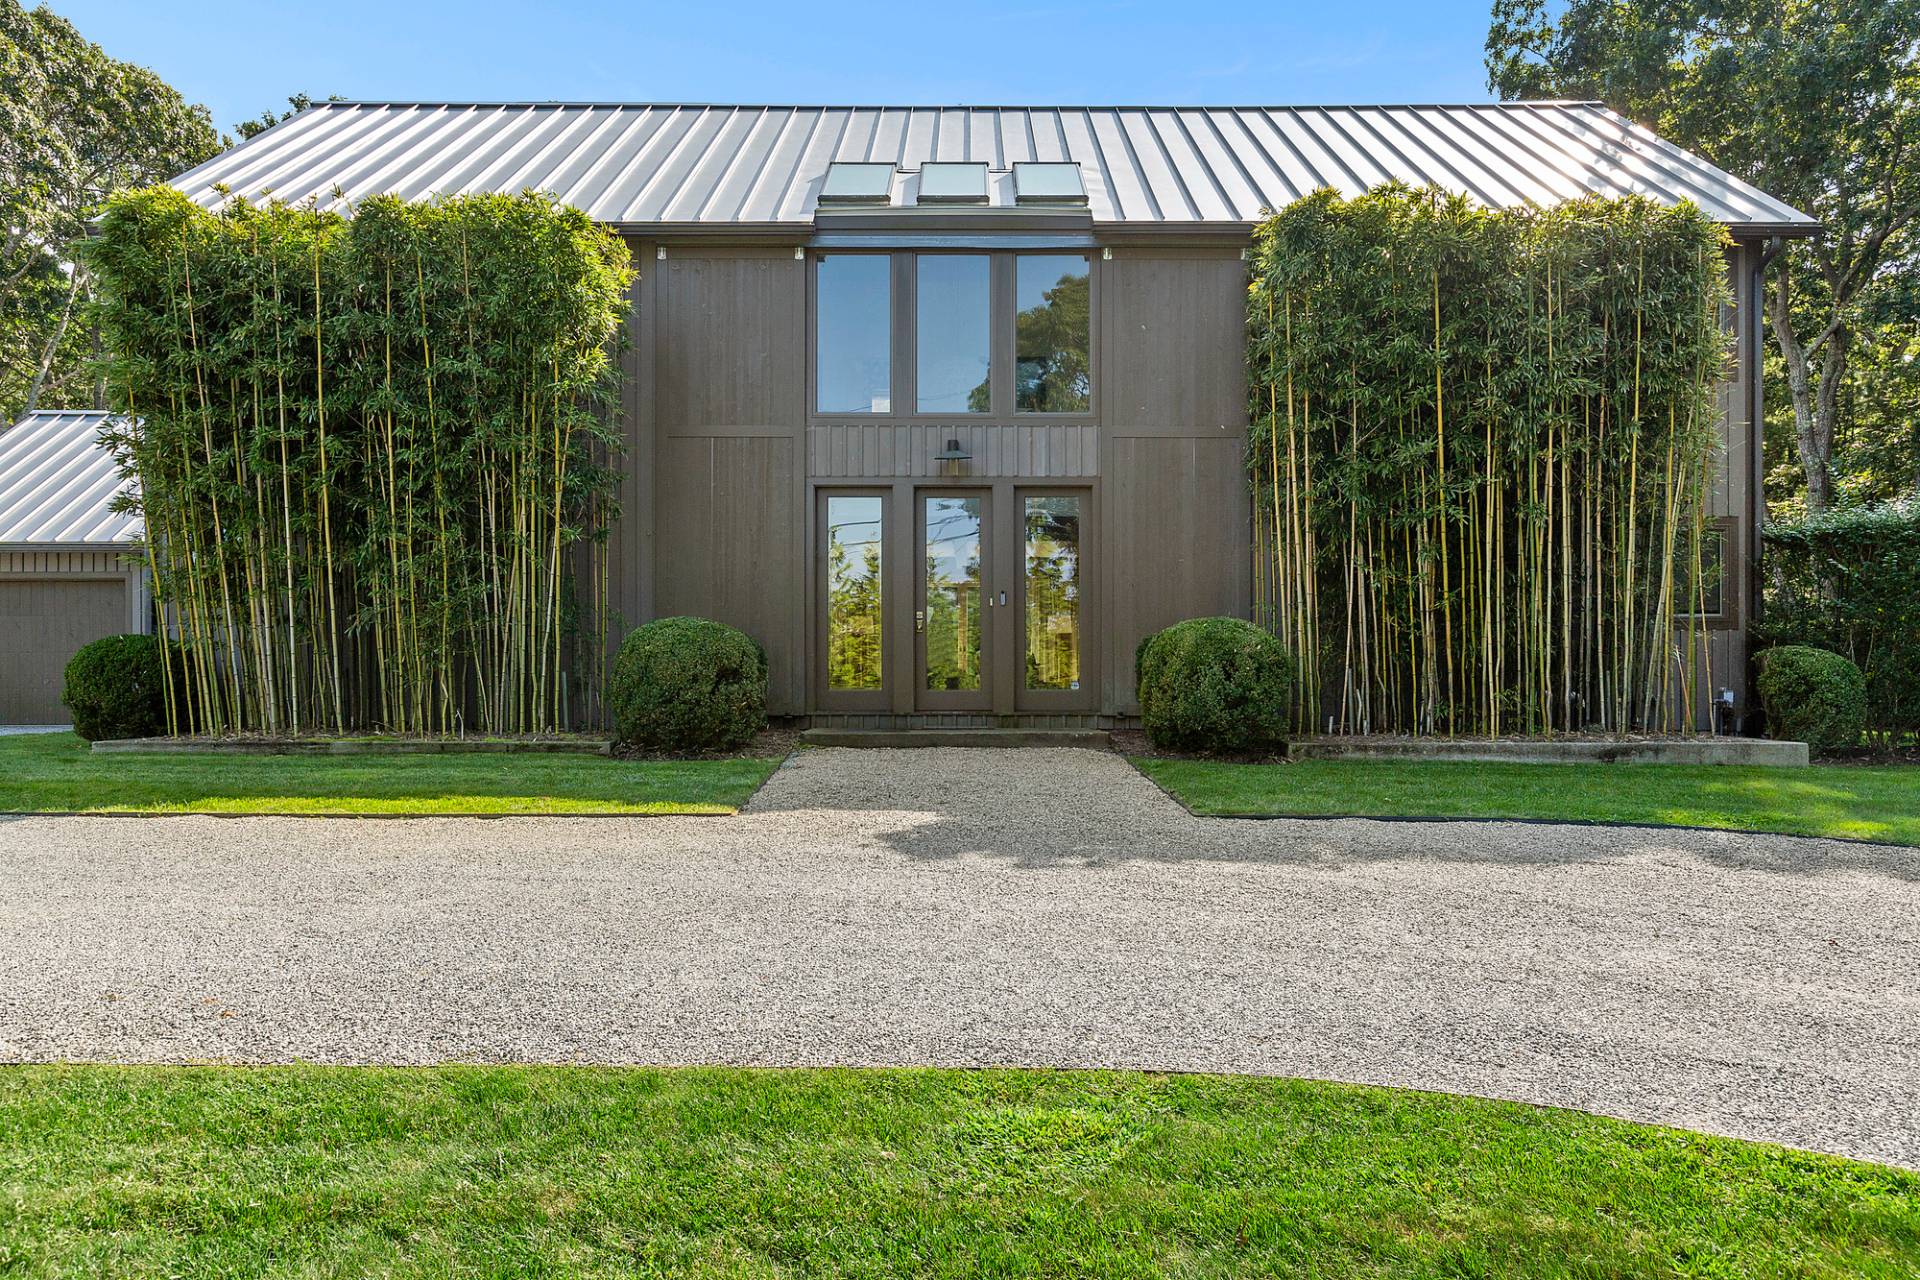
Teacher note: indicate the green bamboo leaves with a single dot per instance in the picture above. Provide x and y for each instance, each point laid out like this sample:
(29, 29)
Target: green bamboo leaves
(374, 455)
(1480, 450)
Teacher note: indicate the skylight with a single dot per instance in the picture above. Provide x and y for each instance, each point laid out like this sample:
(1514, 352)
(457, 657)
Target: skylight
(857, 183)
(1047, 182)
(947, 182)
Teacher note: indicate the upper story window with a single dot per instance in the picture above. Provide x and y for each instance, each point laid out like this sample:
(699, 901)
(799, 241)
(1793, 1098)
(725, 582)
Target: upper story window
(996, 332)
(853, 338)
(954, 332)
(1052, 325)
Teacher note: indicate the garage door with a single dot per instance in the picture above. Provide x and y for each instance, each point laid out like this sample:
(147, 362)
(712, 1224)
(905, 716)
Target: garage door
(42, 624)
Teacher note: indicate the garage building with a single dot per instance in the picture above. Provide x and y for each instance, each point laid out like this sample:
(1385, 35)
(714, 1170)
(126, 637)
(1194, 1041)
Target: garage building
(69, 567)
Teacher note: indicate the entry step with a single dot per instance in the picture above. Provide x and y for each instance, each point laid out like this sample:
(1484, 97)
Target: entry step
(1096, 739)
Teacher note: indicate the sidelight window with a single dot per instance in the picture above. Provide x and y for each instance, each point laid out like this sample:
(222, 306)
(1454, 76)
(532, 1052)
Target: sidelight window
(1053, 592)
(854, 567)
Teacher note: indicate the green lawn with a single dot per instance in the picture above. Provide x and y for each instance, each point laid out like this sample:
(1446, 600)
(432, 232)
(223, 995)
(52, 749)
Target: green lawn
(554, 1171)
(1858, 803)
(56, 773)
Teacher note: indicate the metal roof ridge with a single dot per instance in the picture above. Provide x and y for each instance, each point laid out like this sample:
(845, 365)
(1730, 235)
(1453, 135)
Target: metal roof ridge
(665, 105)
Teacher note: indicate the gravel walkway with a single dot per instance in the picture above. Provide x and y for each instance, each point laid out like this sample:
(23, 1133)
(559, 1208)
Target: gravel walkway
(972, 907)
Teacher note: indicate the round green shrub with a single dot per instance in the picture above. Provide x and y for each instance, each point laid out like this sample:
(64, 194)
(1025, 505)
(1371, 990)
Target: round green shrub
(688, 684)
(1215, 686)
(1812, 696)
(113, 688)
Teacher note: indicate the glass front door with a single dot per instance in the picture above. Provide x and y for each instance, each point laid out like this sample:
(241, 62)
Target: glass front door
(955, 604)
(975, 598)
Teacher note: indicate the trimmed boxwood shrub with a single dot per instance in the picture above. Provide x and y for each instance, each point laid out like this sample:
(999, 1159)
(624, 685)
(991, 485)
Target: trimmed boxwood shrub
(113, 688)
(1812, 696)
(1214, 686)
(688, 684)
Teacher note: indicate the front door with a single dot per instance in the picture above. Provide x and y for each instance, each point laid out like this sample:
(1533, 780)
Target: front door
(954, 601)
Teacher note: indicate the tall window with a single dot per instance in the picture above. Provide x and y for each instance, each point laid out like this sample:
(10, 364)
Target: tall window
(955, 338)
(1053, 592)
(1052, 373)
(955, 328)
(853, 344)
(854, 620)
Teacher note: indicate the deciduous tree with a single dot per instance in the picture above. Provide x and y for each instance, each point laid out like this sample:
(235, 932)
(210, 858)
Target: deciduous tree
(1815, 101)
(75, 125)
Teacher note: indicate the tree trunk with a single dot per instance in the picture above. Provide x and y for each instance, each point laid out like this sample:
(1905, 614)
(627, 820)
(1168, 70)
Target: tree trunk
(99, 375)
(47, 357)
(1813, 407)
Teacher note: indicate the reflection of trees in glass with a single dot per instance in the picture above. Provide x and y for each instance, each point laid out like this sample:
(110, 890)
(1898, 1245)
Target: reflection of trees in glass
(1051, 372)
(853, 594)
(953, 593)
(1053, 593)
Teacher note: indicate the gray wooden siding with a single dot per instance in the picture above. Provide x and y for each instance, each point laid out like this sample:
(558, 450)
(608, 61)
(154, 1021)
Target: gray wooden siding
(1176, 516)
(730, 548)
(713, 404)
(1176, 526)
(731, 340)
(42, 624)
(67, 563)
(889, 451)
(1175, 340)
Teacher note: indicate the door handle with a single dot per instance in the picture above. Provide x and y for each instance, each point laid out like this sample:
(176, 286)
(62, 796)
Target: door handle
(919, 620)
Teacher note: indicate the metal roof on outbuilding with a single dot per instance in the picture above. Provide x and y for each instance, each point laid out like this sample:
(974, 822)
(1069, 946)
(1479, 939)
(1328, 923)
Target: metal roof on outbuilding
(642, 166)
(58, 483)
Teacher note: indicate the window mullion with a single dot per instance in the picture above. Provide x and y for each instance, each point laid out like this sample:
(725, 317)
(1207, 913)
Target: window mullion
(905, 391)
(1000, 337)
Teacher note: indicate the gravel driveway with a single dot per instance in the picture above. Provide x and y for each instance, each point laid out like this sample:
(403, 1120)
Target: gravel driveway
(972, 907)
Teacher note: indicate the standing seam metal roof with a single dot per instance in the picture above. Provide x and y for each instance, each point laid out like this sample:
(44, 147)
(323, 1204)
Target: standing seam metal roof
(58, 481)
(640, 165)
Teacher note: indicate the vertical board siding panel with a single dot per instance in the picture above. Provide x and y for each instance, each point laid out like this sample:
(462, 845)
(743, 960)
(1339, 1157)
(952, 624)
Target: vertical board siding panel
(728, 337)
(730, 352)
(1178, 534)
(728, 547)
(1176, 342)
(43, 624)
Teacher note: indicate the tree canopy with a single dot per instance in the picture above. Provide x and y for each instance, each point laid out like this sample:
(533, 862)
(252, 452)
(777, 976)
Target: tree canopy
(75, 126)
(1816, 102)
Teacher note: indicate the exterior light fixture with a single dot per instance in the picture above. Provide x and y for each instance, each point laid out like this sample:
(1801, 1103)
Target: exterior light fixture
(952, 459)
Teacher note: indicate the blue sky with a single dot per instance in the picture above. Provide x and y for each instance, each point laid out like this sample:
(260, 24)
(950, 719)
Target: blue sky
(239, 59)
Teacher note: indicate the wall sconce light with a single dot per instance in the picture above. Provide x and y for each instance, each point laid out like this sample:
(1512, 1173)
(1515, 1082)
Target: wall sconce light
(953, 459)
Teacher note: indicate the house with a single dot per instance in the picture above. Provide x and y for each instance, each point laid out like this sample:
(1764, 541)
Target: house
(69, 565)
(947, 406)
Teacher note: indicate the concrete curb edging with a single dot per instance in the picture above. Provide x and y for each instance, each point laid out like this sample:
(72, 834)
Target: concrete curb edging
(1716, 751)
(350, 747)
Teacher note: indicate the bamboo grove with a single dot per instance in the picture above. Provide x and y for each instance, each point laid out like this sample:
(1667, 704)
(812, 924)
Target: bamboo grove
(373, 453)
(1481, 447)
